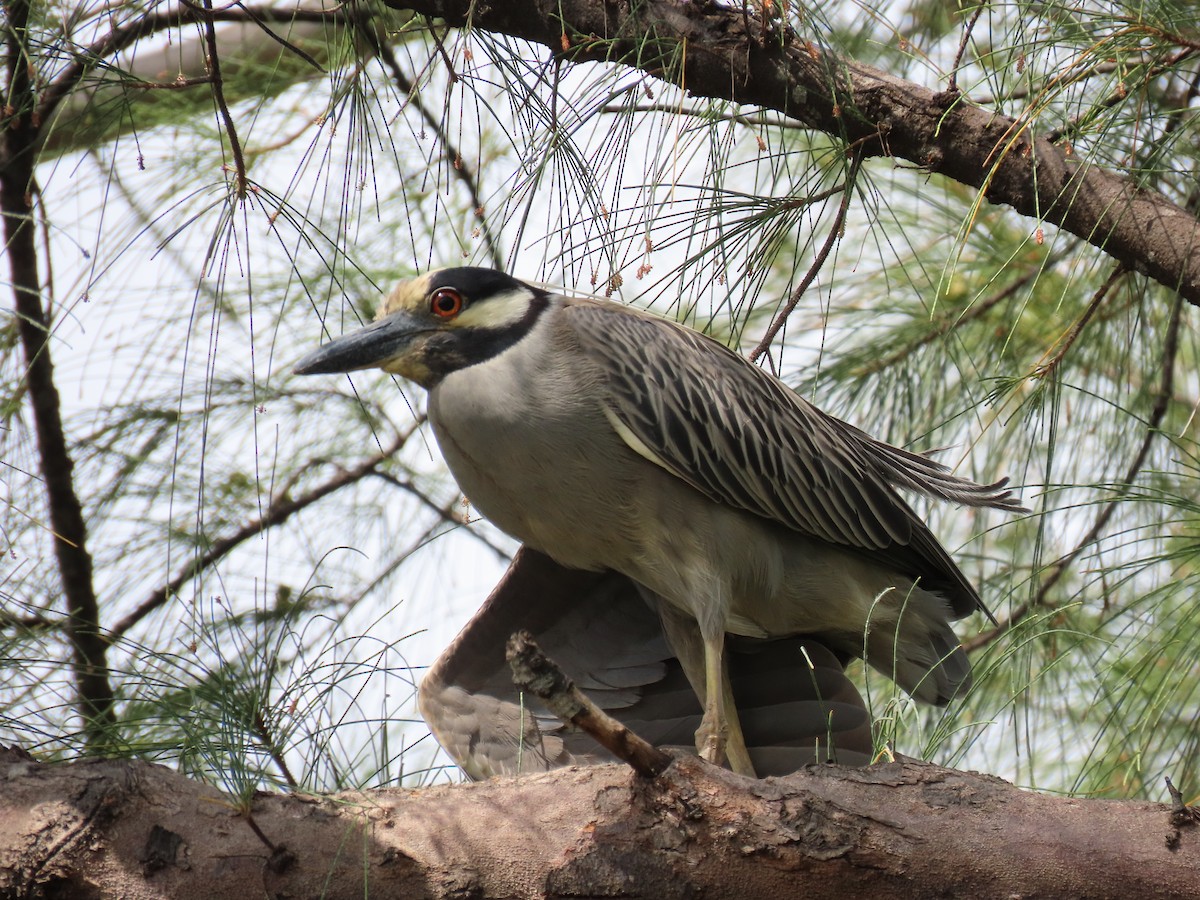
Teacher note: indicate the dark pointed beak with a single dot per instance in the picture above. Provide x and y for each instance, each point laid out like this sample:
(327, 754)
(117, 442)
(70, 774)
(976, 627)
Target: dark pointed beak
(367, 348)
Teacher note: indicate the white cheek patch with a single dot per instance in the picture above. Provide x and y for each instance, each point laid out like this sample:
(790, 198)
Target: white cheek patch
(497, 311)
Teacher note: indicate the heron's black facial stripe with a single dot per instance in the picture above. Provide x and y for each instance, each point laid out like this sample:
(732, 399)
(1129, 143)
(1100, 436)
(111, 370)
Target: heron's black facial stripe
(473, 281)
(458, 348)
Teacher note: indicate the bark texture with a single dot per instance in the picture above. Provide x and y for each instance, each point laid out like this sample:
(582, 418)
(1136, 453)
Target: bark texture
(718, 50)
(125, 829)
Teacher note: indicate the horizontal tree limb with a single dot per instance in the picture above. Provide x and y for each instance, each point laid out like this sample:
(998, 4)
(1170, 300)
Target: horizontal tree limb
(719, 50)
(132, 829)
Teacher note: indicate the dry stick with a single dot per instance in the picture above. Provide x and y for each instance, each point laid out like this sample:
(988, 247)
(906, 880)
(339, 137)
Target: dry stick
(952, 87)
(1181, 813)
(534, 672)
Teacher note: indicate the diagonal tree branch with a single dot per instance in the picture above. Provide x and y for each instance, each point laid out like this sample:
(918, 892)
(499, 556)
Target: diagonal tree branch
(1153, 430)
(714, 50)
(279, 511)
(904, 829)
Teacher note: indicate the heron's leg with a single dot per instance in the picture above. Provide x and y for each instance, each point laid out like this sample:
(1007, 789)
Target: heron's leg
(735, 742)
(683, 636)
(720, 734)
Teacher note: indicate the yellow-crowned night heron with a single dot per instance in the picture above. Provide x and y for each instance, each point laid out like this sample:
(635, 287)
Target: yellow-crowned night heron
(610, 439)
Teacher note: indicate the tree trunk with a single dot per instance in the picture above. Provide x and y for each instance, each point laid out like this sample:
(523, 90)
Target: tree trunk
(115, 828)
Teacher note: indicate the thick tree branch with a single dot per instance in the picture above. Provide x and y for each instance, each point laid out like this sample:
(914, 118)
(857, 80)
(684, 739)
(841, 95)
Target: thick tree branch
(118, 828)
(34, 326)
(705, 47)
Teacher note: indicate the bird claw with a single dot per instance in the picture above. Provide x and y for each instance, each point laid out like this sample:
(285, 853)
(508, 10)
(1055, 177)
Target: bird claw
(710, 743)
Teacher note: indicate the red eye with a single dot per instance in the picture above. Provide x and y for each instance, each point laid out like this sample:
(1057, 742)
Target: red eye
(445, 303)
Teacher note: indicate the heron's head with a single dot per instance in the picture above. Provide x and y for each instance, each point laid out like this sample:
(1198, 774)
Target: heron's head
(436, 324)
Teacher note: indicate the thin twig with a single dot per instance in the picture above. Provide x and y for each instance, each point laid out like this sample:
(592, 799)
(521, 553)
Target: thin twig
(178, 84)
(1047, 369)
(281, 858)
(952, 86)
(1117, 96)
(1162, 402)
(458, 165)
(949, 323)
(27, 623)
(280, 39)
(441, 49)
(835, 234)
(145, 26)
(1066, 79)
(442, 512)
(1022, 93)
(241, 181)
(1177, 118)
(267, 739)
(675, 110)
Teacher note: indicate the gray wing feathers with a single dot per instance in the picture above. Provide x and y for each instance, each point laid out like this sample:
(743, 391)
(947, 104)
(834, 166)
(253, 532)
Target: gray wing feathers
(582, 621)
(917, 472)
(598, 628)
(744, 439)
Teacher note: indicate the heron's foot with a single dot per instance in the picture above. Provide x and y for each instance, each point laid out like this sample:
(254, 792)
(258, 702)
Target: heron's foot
(711, 737)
